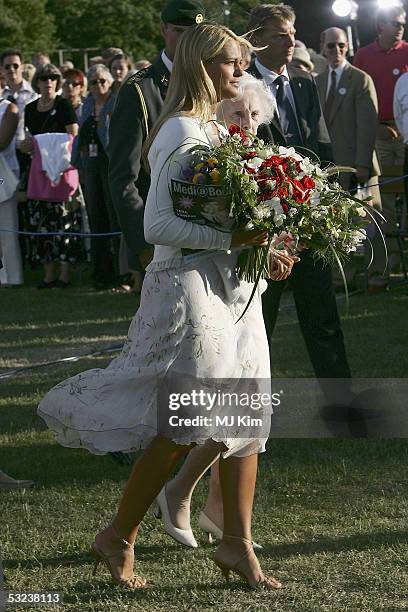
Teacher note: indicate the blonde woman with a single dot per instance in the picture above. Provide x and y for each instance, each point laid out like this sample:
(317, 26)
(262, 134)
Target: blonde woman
(183, 306)
(254, 105)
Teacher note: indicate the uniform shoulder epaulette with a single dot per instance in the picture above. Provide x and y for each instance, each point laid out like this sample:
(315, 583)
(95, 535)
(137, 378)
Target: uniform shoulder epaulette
(135, 78)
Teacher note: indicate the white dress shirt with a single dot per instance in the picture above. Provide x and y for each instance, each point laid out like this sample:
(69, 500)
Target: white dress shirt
(269, 77)
(401, 106)
(339, 72)
(23, 96)
(168, 63)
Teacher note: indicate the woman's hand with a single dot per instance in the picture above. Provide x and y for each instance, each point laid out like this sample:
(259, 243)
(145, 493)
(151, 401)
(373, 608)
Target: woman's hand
(243, 237)
(26, 145)
(280, 265)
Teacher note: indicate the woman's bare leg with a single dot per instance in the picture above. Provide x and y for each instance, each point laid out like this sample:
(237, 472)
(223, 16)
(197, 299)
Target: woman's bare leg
(180, 489)
(238, 478)
(148, 476)
(213, 505)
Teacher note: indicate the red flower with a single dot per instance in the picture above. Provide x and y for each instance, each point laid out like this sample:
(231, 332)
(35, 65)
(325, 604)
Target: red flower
(235, 129)
(308, 183)
(249, 155)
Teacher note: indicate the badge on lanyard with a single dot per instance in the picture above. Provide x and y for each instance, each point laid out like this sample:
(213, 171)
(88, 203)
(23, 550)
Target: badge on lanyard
(93, 149)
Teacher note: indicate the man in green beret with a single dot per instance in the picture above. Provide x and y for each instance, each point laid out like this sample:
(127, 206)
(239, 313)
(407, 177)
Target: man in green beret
(138, 106)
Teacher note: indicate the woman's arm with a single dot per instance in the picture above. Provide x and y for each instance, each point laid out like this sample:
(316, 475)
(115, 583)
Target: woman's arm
(8, 126)
(161, 225)
(72, 129)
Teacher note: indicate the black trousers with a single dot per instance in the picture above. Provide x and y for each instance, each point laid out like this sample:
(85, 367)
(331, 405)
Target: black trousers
(319, 321)
(102, 219)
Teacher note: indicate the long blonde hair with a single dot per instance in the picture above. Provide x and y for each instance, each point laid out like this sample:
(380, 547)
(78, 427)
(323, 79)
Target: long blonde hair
(191, 90)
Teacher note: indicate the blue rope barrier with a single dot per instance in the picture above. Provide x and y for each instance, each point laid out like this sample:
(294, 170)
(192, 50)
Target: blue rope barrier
(104, 234)
(77, 234)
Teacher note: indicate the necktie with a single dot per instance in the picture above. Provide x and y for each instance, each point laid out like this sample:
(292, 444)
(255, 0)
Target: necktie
(287, 115)
(331, 95)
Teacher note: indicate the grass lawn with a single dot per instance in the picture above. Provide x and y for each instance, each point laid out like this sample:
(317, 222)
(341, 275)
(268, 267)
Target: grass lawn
(332, 514)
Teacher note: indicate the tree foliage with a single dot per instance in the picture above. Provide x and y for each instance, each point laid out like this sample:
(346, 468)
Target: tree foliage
(130, 25)
(133, 25)
(27, 25)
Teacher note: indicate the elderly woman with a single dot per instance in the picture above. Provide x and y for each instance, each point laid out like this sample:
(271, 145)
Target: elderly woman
(74, 90)
(51, 113)
(90, 155)
(255, 105)
(120, 65)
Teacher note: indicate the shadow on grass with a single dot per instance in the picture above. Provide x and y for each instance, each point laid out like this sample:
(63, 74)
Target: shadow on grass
(144, 553)
(324, 545)
(54, 467)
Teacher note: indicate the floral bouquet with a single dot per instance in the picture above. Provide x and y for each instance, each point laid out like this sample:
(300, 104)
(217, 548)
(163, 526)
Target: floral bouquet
(244, 182)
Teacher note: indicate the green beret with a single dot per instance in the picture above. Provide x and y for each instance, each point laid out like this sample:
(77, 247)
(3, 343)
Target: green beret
(183, 12)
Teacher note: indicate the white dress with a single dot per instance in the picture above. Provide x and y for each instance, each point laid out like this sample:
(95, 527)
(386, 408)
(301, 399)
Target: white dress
(186, 325)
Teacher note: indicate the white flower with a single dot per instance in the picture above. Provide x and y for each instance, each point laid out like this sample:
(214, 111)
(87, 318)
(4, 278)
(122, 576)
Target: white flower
(265, 153)
(320, 172)
(254, 163)
(262, 212)
(290, 153)
(358, 236)
(307, 166)
(275, 205)
(278, 220)
(361, 211)
(315, 198)
(249, 225)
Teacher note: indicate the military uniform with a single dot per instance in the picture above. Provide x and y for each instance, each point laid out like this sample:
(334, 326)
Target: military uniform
(138, 105)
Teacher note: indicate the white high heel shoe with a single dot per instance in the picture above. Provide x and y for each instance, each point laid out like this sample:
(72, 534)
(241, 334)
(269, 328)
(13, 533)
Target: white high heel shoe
(213, 531)
(183, 536)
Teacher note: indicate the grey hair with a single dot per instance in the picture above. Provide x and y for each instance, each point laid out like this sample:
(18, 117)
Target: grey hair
(267, 101)
(99, 70)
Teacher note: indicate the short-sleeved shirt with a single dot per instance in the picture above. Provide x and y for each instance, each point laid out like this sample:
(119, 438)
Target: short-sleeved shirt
(23, 96)
(384, 67)
(54, 120)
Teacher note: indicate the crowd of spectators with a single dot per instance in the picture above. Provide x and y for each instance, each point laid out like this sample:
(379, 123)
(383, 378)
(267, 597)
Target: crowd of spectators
(364, 100)
(40, 98)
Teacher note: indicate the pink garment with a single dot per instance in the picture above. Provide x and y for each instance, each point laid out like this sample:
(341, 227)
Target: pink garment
(41, 188)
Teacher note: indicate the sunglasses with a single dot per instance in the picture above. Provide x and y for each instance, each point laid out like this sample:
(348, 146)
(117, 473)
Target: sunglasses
(15, 66)
(397, 24)
(334, 45)
(73, 83)
(48, 77)
(96, 81)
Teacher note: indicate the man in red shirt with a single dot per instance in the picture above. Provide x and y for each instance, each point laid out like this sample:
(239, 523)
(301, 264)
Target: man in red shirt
(385, 60)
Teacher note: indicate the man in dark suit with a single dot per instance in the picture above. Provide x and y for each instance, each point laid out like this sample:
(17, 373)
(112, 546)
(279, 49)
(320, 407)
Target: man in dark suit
(299, 122)
(137, 108)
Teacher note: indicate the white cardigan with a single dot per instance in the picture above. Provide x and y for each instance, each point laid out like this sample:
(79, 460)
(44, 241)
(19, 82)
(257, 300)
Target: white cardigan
(162, 228)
